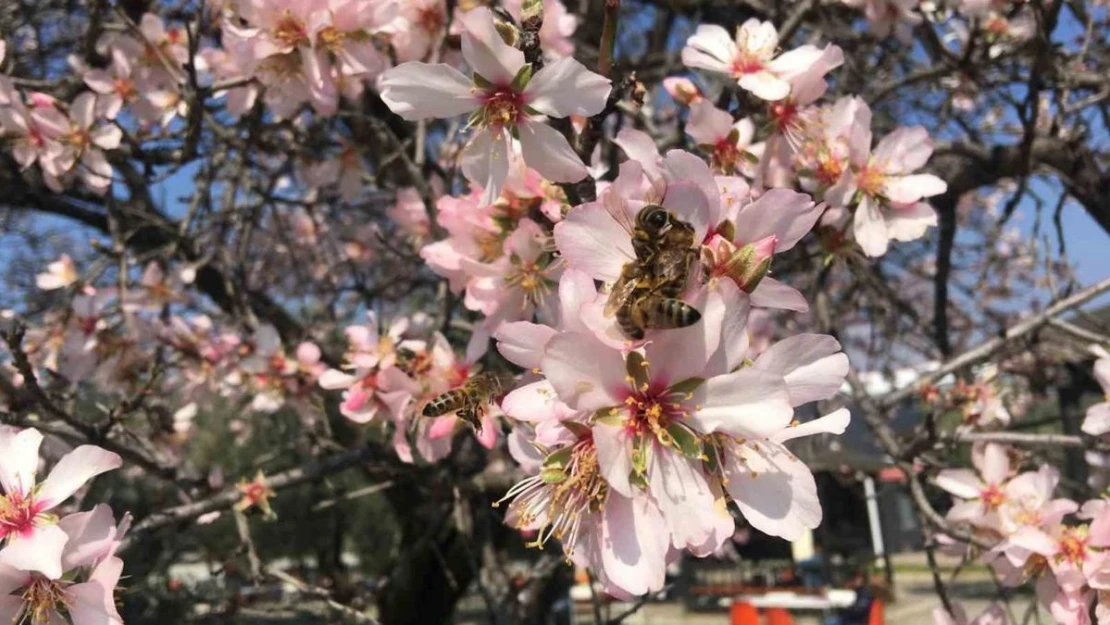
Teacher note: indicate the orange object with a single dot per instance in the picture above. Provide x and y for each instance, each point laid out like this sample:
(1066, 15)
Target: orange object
(777, 616)
(876, 616)
(740, 613)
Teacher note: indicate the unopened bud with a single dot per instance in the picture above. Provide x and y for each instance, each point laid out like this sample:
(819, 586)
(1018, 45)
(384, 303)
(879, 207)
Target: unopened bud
(530, 9)
(750, 263)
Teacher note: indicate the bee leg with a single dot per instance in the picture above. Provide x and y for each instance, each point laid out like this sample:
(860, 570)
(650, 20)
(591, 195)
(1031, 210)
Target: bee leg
(470, 415)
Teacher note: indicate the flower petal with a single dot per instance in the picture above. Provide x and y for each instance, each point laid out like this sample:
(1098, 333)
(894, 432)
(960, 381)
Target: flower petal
(416, 91)
(565, 87)
(19, 450)
(773, 489)
(747, 403)
(586, 374)
(546, 150)
(786, 214)
(73, 470)
(833, 423)
(592, 242)
(812, 365)
(485, 162)
(484, 49)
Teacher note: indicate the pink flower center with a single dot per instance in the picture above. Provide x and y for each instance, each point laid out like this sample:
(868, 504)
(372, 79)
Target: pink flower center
(829, 168)
(1072, 546)
(992, 497)
(651, 410)
(502, 107)
(746, 64)
(290, 30)
(18, 514)
(430, 19)
(727, 156)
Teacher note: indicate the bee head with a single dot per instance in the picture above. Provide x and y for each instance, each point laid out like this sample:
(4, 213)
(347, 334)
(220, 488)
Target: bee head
(654, 219)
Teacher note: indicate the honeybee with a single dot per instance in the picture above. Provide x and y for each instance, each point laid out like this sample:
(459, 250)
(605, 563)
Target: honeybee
(469, 401)
(646, 295)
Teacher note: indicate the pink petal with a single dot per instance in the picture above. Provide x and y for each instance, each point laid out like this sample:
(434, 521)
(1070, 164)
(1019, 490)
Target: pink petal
(73, 470)
(680, 354)
(995, 464)
(417, 90)
(533, 402)
(734, 343)
(614, 456)
(904, 150)
(771, 293)
(586, 374)
(92, 535)
(93, 602)
(783, 213)
(683, 168)
(565, 87)
(633, 544)
(641, 148)
(708, 124)
(546, 150)
(522, 342)
(1097, 421)
(592, 242)
(681, 490)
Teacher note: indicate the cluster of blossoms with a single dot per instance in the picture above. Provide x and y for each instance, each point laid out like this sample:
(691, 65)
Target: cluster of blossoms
(1061, 546)
(1029, 534)
(55, 569)
(66, 142)
(825, 148)
(658, 434)
(392, 373)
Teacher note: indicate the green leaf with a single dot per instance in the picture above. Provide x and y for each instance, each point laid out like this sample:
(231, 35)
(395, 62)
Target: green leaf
(482, 82)
(639, 454)
(558, 460)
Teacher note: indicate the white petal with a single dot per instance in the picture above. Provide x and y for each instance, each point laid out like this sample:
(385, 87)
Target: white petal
(908, 223)
(812, 365)
(710, 47)
(774, 294)
(773, 489)
(681, 490)
(962, 483)
(417, 90)
(904, 150)
(765, 85)
(73, 470)
(565, 87)
(869, 228)
(786, 214)
(614, 456)
(640, 147)
(906, 189)
(586, 374)
(747, 403)
(546, 150)
(19, 458)
(485, 162)
(485, 51)
(833, 423)
(335, 379)
(522, 342)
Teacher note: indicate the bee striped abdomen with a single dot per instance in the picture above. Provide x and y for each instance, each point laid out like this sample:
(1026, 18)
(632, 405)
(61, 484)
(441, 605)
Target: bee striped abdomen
(446, 402)
(667, 312)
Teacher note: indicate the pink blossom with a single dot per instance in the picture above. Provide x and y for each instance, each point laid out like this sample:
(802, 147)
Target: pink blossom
(88, 140)
(683, 90)
(501, 96)
(409, 213)
(35, 541)
(750, 58)
(726, 141)
(414, 30)
(890, 205)
(983, 493)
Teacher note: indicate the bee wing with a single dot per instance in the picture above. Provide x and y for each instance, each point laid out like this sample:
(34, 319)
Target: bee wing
(620, 292)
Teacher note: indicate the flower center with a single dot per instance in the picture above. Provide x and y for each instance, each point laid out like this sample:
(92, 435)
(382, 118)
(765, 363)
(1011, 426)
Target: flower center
(726, 156)
(430, 19)
(871, 179)
(502, 107)
(290, 30)
(1072, 546)
(993, 497)
(560, 499)
(330, 39)
(43, 600)
(746, 63)
(829, 168)
(18, 514)
(124, 88)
